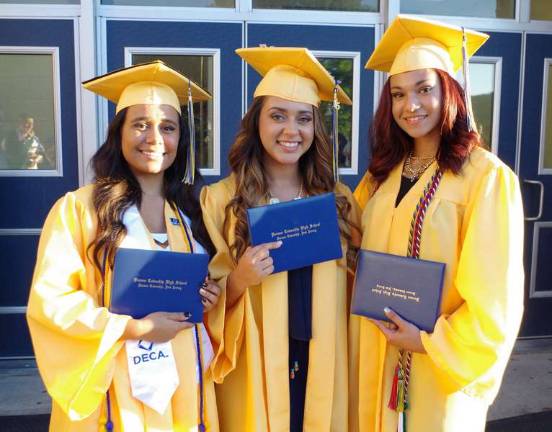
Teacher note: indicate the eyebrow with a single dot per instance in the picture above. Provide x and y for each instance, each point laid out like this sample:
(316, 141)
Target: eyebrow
(146, 119)
(415, 85)
(277, 108)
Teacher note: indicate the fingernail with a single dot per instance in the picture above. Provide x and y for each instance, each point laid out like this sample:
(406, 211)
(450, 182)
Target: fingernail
(202, 291)
(187, 314)
(386, 310)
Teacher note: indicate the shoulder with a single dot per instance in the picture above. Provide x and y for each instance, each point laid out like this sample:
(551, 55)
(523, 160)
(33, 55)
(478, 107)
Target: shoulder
(219, 192)
(80, 199)
(482, 164)
(364, 190)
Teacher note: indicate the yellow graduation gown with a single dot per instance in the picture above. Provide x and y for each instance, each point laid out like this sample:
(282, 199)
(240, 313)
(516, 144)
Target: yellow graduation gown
(251, 341)
(76, 342)
(475, 225)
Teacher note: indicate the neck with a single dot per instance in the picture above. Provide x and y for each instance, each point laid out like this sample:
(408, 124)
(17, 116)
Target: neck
(427, 146)
(284, 181)
(151, 185)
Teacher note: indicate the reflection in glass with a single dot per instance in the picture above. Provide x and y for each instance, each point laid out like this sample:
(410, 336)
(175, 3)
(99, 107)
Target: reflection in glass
(547, 162)
(337, 5)
(469, 8)
(541, 10)
(342, 70)
(482, 82)
(27, 124)
(65, 2)
(200, 70)
(176, 3)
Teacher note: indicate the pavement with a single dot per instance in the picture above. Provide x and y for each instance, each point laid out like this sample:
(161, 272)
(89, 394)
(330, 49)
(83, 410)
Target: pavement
(526, 389)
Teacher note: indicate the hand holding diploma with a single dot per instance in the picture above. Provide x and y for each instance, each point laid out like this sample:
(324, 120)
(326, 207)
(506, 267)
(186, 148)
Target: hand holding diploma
(400, 332)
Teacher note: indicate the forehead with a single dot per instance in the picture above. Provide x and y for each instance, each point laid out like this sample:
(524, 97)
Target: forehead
(153, 111)
(413, 78)
(285, 104)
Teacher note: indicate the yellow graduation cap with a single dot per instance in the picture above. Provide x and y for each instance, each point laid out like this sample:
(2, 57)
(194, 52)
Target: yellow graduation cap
(412, 43)
(292, 74)
(147, 83)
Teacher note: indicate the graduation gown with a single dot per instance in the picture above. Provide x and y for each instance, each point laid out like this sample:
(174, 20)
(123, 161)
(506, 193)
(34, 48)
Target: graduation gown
(77, 343)
(251, 340)
(475, 225)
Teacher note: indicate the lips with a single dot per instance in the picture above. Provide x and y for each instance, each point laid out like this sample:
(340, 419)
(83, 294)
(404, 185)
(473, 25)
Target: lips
(289, 145)
(415, 119)
(152, 155)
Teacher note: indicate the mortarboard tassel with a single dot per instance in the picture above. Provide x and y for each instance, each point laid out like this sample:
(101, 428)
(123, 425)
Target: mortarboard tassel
(467, 90)
(190, 157)
(335, 132)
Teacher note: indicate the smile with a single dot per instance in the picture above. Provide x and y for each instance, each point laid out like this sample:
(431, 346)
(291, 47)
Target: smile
(289, 145)
(152, 155)
(414, 120)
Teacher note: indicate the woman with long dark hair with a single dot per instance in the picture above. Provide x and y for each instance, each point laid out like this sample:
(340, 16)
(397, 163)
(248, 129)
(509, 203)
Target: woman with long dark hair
(433, 192)
(106, 370)
(283, 341)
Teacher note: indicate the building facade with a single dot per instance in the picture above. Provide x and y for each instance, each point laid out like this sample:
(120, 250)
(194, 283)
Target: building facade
(50, 126)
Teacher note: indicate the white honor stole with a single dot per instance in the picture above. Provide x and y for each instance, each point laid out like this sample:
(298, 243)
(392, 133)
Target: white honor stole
(151, 366)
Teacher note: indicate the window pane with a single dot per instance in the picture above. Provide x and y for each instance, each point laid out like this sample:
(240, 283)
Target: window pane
(482, 82)
(200, 70)
(340, 5)
(541, 10)
(41, 1)
(472, 8)
(177, 3)
(548, 124)
(27, 124)
(342, 70)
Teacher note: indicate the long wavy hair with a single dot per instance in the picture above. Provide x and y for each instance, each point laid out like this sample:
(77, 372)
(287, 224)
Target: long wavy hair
(246, 162)
(390, 144)
(116, 189)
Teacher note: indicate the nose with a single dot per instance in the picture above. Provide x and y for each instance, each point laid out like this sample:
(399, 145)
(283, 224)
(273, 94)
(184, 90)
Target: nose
(291, 128)
(154, 136)
(412, 103)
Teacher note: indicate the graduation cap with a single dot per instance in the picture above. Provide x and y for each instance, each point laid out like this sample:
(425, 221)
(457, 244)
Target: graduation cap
(152, 83)
(412, 43)
(295, 74)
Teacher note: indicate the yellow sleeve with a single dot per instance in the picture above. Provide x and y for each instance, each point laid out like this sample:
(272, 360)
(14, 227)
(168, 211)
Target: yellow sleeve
(363, 191)
(225, 326)
(74, 340)
(472, 345)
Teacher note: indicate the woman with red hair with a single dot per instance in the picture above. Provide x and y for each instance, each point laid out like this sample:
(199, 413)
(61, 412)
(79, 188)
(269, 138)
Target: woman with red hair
(433, 192)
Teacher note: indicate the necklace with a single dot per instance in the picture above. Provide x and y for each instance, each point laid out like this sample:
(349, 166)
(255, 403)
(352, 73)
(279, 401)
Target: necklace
(275, 200)
(415, 166)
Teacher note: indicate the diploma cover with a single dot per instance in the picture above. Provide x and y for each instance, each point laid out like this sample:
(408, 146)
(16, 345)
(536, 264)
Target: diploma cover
(411, 287)
(146, 281)
(307, 228)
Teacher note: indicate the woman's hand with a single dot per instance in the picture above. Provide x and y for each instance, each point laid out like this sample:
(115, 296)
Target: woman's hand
(210, 293)
(254, 265)
(157, 327)
(400, 332)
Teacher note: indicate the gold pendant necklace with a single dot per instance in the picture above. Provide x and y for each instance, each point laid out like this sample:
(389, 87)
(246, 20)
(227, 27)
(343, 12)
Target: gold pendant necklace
(414, 166)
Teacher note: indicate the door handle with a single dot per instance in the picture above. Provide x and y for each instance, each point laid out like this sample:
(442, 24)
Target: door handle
(541, 200)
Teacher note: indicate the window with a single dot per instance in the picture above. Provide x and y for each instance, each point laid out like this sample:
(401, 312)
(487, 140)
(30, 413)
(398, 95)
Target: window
(344, 67)
(200, 66)
(62, 2)
(546, 123)
(177, 3)
(29, 123)
(335, 5)
(541, 10)
(470, 8)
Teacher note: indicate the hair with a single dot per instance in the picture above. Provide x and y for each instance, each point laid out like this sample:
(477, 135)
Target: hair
(116, 189)
(390, 144)
(246, 162)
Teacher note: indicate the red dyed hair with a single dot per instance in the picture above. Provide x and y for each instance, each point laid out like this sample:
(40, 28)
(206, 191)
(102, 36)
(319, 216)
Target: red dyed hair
(390, 144)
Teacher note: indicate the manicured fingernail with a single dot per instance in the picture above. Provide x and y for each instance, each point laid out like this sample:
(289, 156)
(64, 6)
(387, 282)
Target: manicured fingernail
(386, 310)
(187, 314)
(202, 291)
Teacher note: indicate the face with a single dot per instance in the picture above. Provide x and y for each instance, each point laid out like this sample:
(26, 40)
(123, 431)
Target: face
(416, 102)
(286, 129)
(149, 138)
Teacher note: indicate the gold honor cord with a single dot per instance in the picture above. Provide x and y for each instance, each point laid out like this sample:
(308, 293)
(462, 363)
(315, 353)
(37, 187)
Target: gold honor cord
(190, 156)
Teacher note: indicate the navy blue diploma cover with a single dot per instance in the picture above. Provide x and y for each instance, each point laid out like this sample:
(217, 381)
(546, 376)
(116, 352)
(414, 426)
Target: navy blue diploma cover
(411, 287)
(307, 228)
(146, 281)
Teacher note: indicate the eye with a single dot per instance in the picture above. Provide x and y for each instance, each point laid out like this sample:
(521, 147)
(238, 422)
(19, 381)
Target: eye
(169, 128)
(304, 119)
(396, 95)
(426, 89)
(277, 117)
(141, 126)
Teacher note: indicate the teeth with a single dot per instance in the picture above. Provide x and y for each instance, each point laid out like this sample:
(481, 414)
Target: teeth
(289, 144)
(152, 155)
